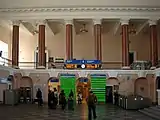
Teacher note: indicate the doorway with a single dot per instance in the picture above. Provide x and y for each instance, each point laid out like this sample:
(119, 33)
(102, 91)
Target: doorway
(132, 56)
(109, 94)
(157, 88)
(83, 87)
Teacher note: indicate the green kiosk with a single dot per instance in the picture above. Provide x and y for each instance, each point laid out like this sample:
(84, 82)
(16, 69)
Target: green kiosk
(98, 86)
(68, 82)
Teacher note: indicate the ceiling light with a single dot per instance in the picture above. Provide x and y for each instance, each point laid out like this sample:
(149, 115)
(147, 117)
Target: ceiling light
(83, 29)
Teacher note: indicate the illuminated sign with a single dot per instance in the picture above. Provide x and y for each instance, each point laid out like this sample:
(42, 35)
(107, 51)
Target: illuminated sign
(82, 64)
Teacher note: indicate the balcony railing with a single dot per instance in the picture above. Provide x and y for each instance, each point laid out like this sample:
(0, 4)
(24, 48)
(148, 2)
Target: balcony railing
(33, 65)
(138, 65)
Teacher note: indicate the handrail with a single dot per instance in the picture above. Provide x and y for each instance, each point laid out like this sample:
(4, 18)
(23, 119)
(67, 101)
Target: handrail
(33, 65)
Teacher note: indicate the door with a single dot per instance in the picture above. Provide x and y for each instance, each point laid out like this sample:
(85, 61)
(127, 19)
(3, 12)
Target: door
(109, 94)
(131, 57)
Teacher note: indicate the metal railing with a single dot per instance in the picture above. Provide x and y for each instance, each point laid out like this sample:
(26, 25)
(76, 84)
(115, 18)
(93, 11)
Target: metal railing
(53, 65)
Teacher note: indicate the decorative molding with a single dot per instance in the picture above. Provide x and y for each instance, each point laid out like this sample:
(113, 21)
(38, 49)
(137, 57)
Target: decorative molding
(152, 22)
(16, 22)
(41, 22)
(124, 21)
(79, 13)
(78, 9)
(97, 21)
(68, 21)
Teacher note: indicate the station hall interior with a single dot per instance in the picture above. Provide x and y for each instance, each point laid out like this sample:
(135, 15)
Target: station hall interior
(106, 47)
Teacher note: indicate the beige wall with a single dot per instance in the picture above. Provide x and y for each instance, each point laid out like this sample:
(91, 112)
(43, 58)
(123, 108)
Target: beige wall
(83, 45)
(27, 46)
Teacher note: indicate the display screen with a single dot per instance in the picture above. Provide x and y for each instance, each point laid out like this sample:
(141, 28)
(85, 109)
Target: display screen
(91, 66)
(70, 66)
(82, 66)
(54, 80)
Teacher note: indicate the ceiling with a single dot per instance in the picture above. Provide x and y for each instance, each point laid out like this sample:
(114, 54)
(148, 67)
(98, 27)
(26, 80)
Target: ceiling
(111, 26)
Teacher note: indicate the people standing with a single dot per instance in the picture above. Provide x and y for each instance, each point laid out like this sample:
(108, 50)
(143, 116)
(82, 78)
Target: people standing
(55, 97)
(39, 97)
(91, 101)
(49, 98)
(62, 100)
(116, 97)
(71, 101)
(79, 98)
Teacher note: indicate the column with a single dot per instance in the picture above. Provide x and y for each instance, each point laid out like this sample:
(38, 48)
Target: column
(15, 44)
(97, 39)
(41, 45)
(153, 42)
(125, 43)
(69, 39)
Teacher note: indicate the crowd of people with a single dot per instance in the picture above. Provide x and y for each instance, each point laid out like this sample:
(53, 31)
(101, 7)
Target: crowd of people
(54, 99)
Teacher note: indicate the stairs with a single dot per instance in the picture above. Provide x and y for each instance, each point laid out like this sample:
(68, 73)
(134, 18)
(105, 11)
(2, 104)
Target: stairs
(98, 85)
(153, 112)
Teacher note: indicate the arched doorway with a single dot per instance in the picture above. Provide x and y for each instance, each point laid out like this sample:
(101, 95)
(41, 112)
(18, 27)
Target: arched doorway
(158, 82)
(26, 90)
(83, 86)
(112, 84)
(141, 87)
(54, 82)
(113, 81)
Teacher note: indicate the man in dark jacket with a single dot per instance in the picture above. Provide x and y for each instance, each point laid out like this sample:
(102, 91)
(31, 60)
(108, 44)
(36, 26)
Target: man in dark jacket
(39, 97)
(91, 101)
(62, 100)
(49, 98)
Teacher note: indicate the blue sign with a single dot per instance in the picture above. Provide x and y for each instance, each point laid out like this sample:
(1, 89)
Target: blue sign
(98, 75)
(83, 79)
(67, 75)
(54, 80)
(83, 62)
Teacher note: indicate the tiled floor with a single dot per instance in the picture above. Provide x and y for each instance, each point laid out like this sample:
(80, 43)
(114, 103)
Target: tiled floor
(32, 112)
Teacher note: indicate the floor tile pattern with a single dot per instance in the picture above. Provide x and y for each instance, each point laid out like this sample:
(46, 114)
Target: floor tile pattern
(33, 112)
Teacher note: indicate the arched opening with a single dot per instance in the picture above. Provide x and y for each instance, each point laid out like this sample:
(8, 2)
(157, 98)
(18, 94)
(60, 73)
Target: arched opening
(112, 84)
(112, 81)
(26, 90)
(158, 82)
(53, 82)
(83, 86)
(141, 87)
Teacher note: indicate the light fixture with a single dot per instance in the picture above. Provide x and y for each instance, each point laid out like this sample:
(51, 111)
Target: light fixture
(132, 29)
(83, 29)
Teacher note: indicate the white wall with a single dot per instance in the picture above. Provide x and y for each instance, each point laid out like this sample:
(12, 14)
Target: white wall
(51, 3)
(5, 37)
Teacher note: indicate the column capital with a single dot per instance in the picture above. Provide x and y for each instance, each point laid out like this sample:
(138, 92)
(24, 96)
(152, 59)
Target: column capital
(97, 21)
(68, 21)
(124, 21)
(16, 23)
(41, 22)
(152, 22)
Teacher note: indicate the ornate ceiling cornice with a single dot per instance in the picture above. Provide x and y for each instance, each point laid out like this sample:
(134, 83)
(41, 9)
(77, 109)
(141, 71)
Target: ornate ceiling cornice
(80, 13)
(80, 9)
